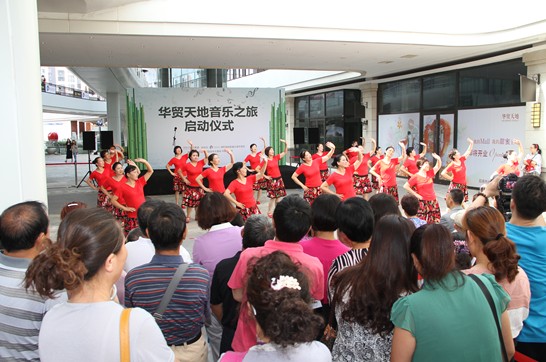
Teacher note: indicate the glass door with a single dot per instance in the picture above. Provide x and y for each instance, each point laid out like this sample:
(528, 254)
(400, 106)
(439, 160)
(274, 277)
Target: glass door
(438, 134)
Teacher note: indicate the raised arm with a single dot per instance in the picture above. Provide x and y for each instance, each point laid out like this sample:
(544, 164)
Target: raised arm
(149, 169)
(231, 159)
(283, 153)
(206, 155)
(469, 149)
(191, 145)
(438, 164)
(403, 156)
(374, 146)
(358, 158)
(263, 140)
(424, 152)
(520, 150)
(329, 155)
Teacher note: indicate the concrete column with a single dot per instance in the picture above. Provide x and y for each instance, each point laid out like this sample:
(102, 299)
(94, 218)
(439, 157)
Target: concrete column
(113, 114)
(369, 101)
(21, 139)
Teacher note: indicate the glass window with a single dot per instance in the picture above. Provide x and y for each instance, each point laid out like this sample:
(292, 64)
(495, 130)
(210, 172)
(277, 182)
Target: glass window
(60, 75)
(334, 104)
(439, 91)
(316, 106)
(335, 132)
(302, 107)
(399, 97)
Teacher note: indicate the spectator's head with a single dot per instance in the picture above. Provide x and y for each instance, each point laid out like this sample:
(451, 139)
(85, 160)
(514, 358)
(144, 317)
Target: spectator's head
(323, 211)
(135, 234)
(24, 226)
(384, 204)
(214, 209)
(257, 230)
(292, 219)
(355, 220)
(71, 206)
(278, 293)
(144, 212)
(410, 205)
(529, 197)
(167, 227)
(454, 198)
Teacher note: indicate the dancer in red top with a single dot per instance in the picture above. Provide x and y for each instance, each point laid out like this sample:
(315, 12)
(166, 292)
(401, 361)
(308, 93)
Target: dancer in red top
(111, 156)
(241, 187)
(361, 180)
(378, 155)
(113, 184)
(254, 159)
(192, 193)
(310, 168)
(457, 169)
(132, 192)
(350, 152)
(513, 160)
(409, 168)
(178, 161)
(215, 174)
(324, 171)
(421, 185)
(275, 184)
(385, 171)
(342, 177)
(99, 175)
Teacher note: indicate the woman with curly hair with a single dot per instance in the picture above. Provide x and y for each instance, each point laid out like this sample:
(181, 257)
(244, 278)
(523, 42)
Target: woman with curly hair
(365, 293)
(496, 254)
(279, 299)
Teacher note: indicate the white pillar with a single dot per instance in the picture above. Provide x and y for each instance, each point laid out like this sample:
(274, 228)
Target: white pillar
(113, 114)
(21, 138)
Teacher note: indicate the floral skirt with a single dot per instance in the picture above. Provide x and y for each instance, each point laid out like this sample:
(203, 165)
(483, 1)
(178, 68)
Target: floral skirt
(275, 188)
(120, 215)
(311, 194)
(375, 183)
(192, 196)
(362, 184)
(462, 187)
(429, 210)
(104, 202)
(391, 190)
(130, 224)
(178, 184)
(324, 174)
(247, 211)
(261, 184)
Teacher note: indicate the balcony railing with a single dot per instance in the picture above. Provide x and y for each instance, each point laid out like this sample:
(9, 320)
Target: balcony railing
(70, 92)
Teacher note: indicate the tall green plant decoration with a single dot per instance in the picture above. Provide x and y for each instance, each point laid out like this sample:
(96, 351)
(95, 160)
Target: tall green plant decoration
(277, 128)
(137, 146)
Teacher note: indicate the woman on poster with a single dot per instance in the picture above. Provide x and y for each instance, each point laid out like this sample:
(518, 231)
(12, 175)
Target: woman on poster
(456, 170)
(532, 162)
(310, 168)
(275, 184)
(361, 179)
(254, 159)
(342, 176)
(324, 171)
(409, 168)
(513, 160)
(215, 174)
(178, 161)
(192, 192)
(385, 171)
(421, 185)
(242, 188)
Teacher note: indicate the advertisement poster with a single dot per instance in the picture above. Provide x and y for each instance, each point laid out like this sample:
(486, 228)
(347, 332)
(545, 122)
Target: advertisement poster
(212, 118)
(493, 131)
(445, 127)
(394, 128)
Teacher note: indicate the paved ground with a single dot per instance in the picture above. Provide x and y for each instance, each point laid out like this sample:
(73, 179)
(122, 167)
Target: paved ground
(62, 179)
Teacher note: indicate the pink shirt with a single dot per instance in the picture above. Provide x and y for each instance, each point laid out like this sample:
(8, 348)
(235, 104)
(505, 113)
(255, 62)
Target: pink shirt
(343, 183)
(245, 334)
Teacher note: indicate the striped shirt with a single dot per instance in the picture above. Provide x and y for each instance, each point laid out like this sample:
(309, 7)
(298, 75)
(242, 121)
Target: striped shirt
(21, 313)
(187, 311)
(350, 258)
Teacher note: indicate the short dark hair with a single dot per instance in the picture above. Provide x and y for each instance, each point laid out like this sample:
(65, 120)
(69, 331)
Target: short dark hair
(410, 204)
(421, 161)
(337, 158)
(211, 157)
(457, 195)
(529, 196)
(144, 212)
(409, 150)
(192, 152)
(355, 219)
(384, 204)
(174, 149)
(236, 167)
(214, 208)
(266, 151)
(115, 164)
(166, 226)
(303, 152)
(292, 217)
(323, 211)
(129, 169)
(103, 153)
(21, 224)
(257, 230)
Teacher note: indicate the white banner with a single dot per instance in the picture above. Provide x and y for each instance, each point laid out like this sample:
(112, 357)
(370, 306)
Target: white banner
(212, 118)
(493, 131)
(396, 127)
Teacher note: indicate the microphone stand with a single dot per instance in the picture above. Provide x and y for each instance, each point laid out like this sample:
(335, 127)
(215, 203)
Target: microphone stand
(174, 136)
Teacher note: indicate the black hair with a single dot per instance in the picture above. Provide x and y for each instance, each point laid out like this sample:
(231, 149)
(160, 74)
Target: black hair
(21, 224)
(355, 219)
(104, 153)
(410, 204)
(409, 150)
(292, 217)
(457, 195)
(174, 149)
(324, 212)
(144, 212)
(236, 167)
(115, 164)
(253, 144)
(95, 160)
(529, 196)
(383, 204)
(257, 230)
(337, 158)
(192, 152)
(166, 226)
(267, 149)
(303, 152)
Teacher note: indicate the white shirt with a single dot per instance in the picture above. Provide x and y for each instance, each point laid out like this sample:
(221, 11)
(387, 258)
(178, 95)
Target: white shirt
(141, 252)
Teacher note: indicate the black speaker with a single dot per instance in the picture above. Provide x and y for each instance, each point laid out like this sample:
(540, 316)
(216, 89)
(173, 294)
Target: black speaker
(299, 136)
(106, 139)
(314, 135)
(89, 141)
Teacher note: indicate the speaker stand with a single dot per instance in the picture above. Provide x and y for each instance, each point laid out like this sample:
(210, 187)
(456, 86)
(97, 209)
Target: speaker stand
(89, 170)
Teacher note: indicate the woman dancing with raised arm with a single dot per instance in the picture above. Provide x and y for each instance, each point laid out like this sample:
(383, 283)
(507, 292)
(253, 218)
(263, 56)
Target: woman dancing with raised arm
(409, 168)
(178, 161)
(100, 174)
(310, 168)
(193, 193)
(342, 177)
(457, 169)
(385, 171)
(361, 179)
(215, 174)
(254, 158)
(275, 184)
(324, 171)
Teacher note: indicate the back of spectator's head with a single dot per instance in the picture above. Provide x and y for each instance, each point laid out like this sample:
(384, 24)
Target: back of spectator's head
(258, 229)
(144, 212)
(22, 224)
(457, 196)
(214, 209)
(135, 234)
(292, 218)
(324, 212)
(167, 226)
(237, 220)
(71, 206)
(384, 204)
(529, 197)
(355, 219)
(432, 245)
(410, 204)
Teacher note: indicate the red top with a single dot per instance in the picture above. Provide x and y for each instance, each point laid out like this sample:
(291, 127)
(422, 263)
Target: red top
(194, 171)
(216, 178)
(458, 171)
(374, 159)
(507, 169)
(114, 185)
(243, 192)
(133, 196)
(253, 160)
(424, 186)
(324, 165)
(362, 170)
(311, 173)
(349, 153)
(387, 171)
(179, 163)
(411, 165)
(343, 183)
(108, 167)
(99, 177)
(273, 167)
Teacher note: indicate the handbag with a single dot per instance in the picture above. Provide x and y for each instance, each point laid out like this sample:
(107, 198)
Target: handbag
(125, 354)
(495, 317)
